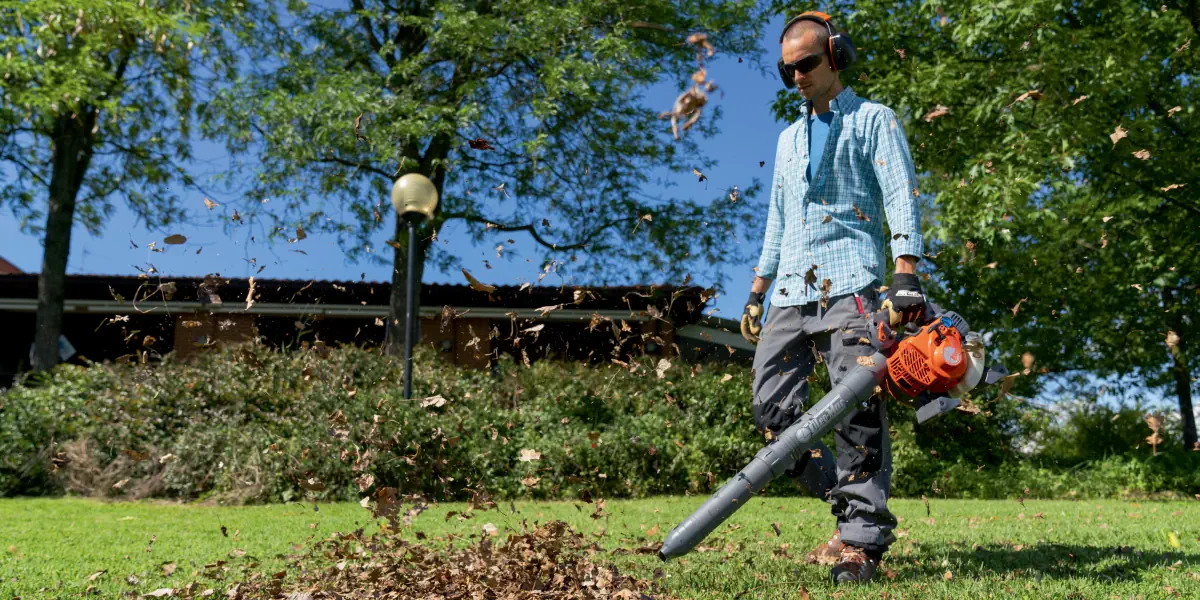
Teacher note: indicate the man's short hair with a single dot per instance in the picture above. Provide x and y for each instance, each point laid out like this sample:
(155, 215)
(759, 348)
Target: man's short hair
(800, 27)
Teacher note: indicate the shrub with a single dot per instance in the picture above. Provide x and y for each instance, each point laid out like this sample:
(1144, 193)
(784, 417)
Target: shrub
(250, 424)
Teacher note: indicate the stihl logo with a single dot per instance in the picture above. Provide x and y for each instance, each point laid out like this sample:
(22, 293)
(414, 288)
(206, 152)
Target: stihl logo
(908, 293)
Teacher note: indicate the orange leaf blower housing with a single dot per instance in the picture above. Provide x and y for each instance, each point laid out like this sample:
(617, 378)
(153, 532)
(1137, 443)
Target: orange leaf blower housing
(931, 360)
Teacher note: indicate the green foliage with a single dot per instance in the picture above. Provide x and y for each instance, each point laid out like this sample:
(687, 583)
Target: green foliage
(254, 425)
(122, 78)
(361, 94)
(1046, 222)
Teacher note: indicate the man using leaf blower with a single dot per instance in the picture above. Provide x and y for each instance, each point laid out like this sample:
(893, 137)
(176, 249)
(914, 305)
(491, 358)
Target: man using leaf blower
(838, 170)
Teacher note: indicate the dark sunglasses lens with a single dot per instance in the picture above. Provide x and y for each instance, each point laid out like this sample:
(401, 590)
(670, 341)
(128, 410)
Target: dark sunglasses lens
(807, 63)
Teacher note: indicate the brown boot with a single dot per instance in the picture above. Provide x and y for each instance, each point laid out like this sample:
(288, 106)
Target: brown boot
(828, 552)
(853, 566)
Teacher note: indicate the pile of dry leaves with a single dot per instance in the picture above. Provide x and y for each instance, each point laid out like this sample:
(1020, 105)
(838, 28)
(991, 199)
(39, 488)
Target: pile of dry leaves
(550, 561)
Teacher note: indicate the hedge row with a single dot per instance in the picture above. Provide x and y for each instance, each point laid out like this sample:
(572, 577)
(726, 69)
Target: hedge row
(250, 424)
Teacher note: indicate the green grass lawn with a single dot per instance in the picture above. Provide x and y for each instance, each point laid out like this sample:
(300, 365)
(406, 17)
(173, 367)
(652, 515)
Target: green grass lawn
(964, 550)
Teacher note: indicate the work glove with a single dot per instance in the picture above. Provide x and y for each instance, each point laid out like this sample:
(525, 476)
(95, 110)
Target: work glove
(752, 317)
(905, 300)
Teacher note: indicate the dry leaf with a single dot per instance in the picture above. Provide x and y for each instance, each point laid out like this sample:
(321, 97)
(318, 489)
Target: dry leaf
(530, 481)
(1172, 340)
(174, 239)
(490, 529)
(865, 361)
(1117, 135)
(727, 377)
(527, 455)
(947, 576)
(1018, 306)
(478, 285)
(661, 368)
(437, 400)
(860, 214)
(697, 173)
(210, 204)
(160, 593)
(937, 111)
(1142, 154)
(1172, 187)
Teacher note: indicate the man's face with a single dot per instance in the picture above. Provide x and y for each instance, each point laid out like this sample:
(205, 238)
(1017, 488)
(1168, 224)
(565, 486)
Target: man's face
(818, 82)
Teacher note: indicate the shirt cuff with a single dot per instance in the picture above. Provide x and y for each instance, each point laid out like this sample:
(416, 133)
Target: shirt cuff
(767, 267)
(907, 244)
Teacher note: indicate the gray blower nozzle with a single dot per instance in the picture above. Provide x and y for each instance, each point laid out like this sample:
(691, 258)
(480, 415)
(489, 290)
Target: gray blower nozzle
(777, 457)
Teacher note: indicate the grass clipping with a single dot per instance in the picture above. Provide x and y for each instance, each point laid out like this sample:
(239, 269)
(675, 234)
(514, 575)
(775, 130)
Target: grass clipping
(550, 561)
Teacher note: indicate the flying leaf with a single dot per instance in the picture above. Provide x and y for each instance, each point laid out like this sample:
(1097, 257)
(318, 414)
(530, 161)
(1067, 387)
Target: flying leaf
(435, 401)
(1027, 361)
(1172, 111)
(1034, 94)
(697, 173)
(661, 368)
(480, 144)
(174, 239)
(476, 284)
(1117, 135)
(1172, 340)
(1142, 154)
(1078, 100)
(1172, 187)
(937, 111)
(860, 214)
(210, 204)
(1018, 306)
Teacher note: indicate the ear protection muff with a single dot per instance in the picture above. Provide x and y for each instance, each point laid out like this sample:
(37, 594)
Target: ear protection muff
(840, 49)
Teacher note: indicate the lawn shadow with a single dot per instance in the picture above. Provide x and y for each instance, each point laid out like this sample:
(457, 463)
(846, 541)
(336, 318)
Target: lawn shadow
(1109, 564)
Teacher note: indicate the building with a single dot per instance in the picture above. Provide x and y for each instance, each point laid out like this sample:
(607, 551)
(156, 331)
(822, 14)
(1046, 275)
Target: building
(112, 317)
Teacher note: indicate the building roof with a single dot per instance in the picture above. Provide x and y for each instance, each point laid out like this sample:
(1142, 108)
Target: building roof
(7, 268)
(683, 303)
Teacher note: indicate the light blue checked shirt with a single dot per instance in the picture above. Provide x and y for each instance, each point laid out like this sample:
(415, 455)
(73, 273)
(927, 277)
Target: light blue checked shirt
(866, 165)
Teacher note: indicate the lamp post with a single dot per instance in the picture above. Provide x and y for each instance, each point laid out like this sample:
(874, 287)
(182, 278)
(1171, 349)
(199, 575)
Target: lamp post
(414, 197)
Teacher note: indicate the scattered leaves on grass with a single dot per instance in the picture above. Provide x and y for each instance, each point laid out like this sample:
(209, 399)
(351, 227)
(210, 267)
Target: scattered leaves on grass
(528, 454)
(551, 561)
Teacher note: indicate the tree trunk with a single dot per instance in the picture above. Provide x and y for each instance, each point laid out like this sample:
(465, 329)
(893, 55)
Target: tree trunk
(397, 305)
(1179, 368)
(72, 152)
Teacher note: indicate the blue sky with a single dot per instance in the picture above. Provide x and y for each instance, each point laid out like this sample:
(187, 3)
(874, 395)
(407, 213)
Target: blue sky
(748, 135)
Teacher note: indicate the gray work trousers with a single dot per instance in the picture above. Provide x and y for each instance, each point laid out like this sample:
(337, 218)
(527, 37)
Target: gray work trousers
(793, 340)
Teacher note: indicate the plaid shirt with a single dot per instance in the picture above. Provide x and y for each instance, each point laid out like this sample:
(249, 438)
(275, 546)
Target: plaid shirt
(835, 221)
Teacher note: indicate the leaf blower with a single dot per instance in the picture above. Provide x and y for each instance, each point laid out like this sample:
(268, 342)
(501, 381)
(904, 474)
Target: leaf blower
(943, 356)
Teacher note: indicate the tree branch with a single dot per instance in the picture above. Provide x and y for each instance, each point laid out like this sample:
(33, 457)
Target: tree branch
(349, 163)
(533, 232)
(26, 168)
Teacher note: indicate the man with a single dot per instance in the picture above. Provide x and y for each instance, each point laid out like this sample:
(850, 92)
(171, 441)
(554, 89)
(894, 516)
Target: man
(838, 169)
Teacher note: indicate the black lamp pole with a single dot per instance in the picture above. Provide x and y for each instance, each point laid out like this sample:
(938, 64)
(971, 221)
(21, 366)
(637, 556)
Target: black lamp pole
(409, 322)
(415, 198)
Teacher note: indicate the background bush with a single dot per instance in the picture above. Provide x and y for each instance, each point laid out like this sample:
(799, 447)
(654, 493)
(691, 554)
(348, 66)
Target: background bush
(249, 424)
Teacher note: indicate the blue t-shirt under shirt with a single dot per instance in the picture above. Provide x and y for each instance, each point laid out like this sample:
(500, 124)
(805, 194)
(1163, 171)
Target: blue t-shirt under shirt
(819, 132)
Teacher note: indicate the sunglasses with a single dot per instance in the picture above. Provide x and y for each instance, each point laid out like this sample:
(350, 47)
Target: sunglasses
(802, 65)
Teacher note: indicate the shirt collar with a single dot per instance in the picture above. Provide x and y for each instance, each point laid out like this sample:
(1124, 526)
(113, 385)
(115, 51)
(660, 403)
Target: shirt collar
(838, 104)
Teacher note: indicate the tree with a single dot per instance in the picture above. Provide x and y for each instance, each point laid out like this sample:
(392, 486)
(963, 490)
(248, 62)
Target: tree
(1057, 144)
(96, 104)
(526, 115)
